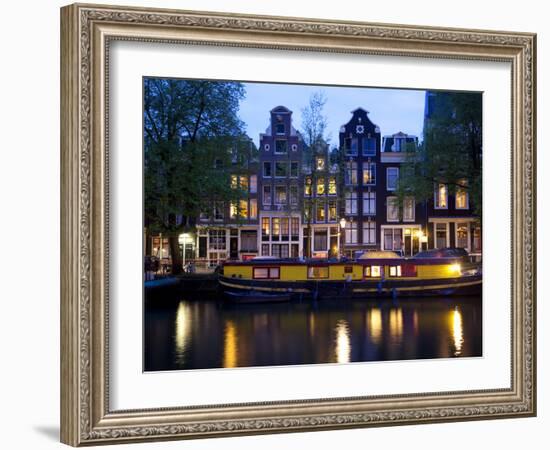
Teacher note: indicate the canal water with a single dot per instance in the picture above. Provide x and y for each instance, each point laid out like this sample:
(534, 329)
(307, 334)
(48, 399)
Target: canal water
(205, 334)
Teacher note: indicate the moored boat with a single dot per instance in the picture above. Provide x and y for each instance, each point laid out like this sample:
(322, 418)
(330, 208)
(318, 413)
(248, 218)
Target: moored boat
(375, 274)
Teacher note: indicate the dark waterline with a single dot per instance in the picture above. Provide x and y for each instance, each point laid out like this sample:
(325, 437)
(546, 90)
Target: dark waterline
(205, 334)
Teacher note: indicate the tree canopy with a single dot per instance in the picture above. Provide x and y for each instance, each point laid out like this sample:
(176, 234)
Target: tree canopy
(450, 152)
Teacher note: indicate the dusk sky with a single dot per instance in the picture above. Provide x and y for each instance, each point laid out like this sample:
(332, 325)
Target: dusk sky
(392, 110)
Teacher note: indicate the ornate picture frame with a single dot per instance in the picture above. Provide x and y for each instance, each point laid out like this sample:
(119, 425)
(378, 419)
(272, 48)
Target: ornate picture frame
(86, 34)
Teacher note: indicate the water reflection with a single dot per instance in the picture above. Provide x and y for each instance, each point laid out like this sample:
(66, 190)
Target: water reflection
(183, 332)
(230, 345)
(195, 334)
(458, 331)
(343, 347)
(375, 324)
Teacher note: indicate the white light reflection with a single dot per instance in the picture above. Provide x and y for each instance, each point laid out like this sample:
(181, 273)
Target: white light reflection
(343, 343)
(458, 331)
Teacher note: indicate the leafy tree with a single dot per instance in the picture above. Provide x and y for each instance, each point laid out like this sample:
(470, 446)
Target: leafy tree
(450, 152)
(314, 125)
(191, 134)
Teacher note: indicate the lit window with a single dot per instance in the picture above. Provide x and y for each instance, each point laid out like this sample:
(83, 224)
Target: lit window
(332, 213)
(307, 188)
(233, 210)
(320, 212)
(332, 186)
(375, 271)
(441, 196)
(243, 209)
(265, 229)
(395, 271)
(266, 272)
(317, 272)
(321, 186)
(369, 173)
(234, 181)
(253, 208)
(392, 177)
(320, 163)
(462, 199)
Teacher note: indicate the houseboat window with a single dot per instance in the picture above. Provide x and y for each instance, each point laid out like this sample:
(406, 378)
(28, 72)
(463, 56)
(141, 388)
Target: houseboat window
(266, 272)
(317, 272)
(372, 271)
(395, 271)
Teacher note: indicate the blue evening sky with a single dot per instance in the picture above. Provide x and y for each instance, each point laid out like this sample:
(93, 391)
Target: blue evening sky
(392, 110)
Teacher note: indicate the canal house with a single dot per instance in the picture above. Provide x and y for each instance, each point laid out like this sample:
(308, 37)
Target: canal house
(280, 181)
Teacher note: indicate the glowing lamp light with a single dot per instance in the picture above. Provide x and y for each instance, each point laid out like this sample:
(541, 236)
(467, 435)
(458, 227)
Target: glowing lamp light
(455, 268)
(343, 222)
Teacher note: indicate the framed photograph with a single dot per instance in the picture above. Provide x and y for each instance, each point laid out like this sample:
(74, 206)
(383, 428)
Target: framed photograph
(276, 224)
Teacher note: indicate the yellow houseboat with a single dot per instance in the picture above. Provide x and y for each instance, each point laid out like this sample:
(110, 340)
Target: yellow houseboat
(375, 274)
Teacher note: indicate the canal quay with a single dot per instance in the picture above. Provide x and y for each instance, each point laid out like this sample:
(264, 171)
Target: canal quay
(206, 332)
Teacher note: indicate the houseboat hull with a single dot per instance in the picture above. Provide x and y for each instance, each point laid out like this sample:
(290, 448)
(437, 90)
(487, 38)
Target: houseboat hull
(464, 285)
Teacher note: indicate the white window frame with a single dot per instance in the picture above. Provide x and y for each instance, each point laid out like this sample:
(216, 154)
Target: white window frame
(390, 200)
(447, 233)
(469, 238)
(388, 169)
(366, 211)
(367, 230)
(413, 210)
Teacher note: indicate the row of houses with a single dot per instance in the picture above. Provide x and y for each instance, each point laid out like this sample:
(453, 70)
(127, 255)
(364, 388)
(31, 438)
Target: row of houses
(299, 202)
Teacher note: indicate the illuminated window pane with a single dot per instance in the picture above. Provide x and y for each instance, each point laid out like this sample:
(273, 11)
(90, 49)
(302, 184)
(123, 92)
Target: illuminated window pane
(375, 271)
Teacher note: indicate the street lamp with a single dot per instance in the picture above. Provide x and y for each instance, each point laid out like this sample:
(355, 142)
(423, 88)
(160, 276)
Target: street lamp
(183, 240)
(342, 235)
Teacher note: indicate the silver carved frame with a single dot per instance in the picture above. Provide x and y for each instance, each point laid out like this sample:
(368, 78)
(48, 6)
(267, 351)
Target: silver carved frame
(86, 31)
